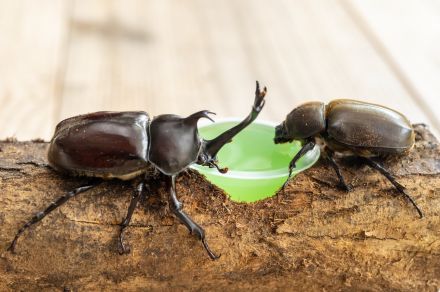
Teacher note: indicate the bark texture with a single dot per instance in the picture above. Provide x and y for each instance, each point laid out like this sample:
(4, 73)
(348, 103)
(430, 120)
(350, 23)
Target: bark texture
(311, 237)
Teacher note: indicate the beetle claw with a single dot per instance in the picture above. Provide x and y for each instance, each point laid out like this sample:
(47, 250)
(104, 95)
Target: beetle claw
(283, 187)
(11, 248)
(345, 187)
(212, 255)
(259, 97)
(403, 191)
(123, 249)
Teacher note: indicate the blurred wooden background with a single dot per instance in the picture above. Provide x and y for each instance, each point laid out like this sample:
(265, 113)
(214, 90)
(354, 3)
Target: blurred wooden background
(60, 58)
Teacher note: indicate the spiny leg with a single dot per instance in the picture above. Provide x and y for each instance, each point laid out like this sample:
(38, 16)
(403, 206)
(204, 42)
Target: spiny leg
(40, 215)
(306, 148)
(329, 155)
(390, 177)
(193, 227)
(138, 194)
(213, 146)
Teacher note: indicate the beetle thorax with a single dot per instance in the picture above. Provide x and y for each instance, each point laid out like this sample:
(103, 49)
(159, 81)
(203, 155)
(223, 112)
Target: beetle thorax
(306, 121)
(174, 143)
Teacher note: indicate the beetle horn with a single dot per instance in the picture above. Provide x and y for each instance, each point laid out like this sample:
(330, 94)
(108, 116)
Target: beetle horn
(193, 119)
(213, 146)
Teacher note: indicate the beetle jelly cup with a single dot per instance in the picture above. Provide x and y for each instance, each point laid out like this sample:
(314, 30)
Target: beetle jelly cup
(257, 166)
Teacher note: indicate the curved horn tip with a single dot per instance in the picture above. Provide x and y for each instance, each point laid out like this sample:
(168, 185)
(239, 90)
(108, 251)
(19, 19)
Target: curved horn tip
(198, 115)
(258, 91)
(206, 115)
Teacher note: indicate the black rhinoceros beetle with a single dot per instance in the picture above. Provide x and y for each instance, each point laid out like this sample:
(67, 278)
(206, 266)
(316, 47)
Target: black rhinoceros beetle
(349, 127)
(125, 145)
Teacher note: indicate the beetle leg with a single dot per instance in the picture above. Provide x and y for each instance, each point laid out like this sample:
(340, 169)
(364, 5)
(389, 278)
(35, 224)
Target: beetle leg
(138, 194)
(329, 154)
(213, 146)
(194, 228)
(391, 178)
(306, 148)
(40, 215)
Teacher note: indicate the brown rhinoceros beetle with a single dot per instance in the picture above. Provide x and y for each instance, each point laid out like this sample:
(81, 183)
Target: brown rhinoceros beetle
(349, 127)
(126, 145)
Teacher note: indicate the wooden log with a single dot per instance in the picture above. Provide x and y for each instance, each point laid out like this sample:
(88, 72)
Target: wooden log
(311, 237)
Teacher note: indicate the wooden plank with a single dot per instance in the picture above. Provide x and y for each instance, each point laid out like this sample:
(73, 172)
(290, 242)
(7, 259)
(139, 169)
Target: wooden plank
(32, 37)
(137, 55)
(407, 34)
(132, 55)
(175, 57)
(311, 50)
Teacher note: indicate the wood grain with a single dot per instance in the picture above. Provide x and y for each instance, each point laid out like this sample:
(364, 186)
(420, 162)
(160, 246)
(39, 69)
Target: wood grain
(407, 34)
(213, 60)
(32, 42)
(180, 57)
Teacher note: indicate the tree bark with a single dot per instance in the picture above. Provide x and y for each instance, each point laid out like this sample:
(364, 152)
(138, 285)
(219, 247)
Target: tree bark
(312, 236)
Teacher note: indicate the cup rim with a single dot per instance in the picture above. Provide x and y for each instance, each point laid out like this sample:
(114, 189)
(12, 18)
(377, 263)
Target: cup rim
(312, 155)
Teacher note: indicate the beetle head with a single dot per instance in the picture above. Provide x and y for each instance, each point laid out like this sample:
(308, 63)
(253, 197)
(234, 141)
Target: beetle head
(281, 135)
(305, 121)
(175, 141)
